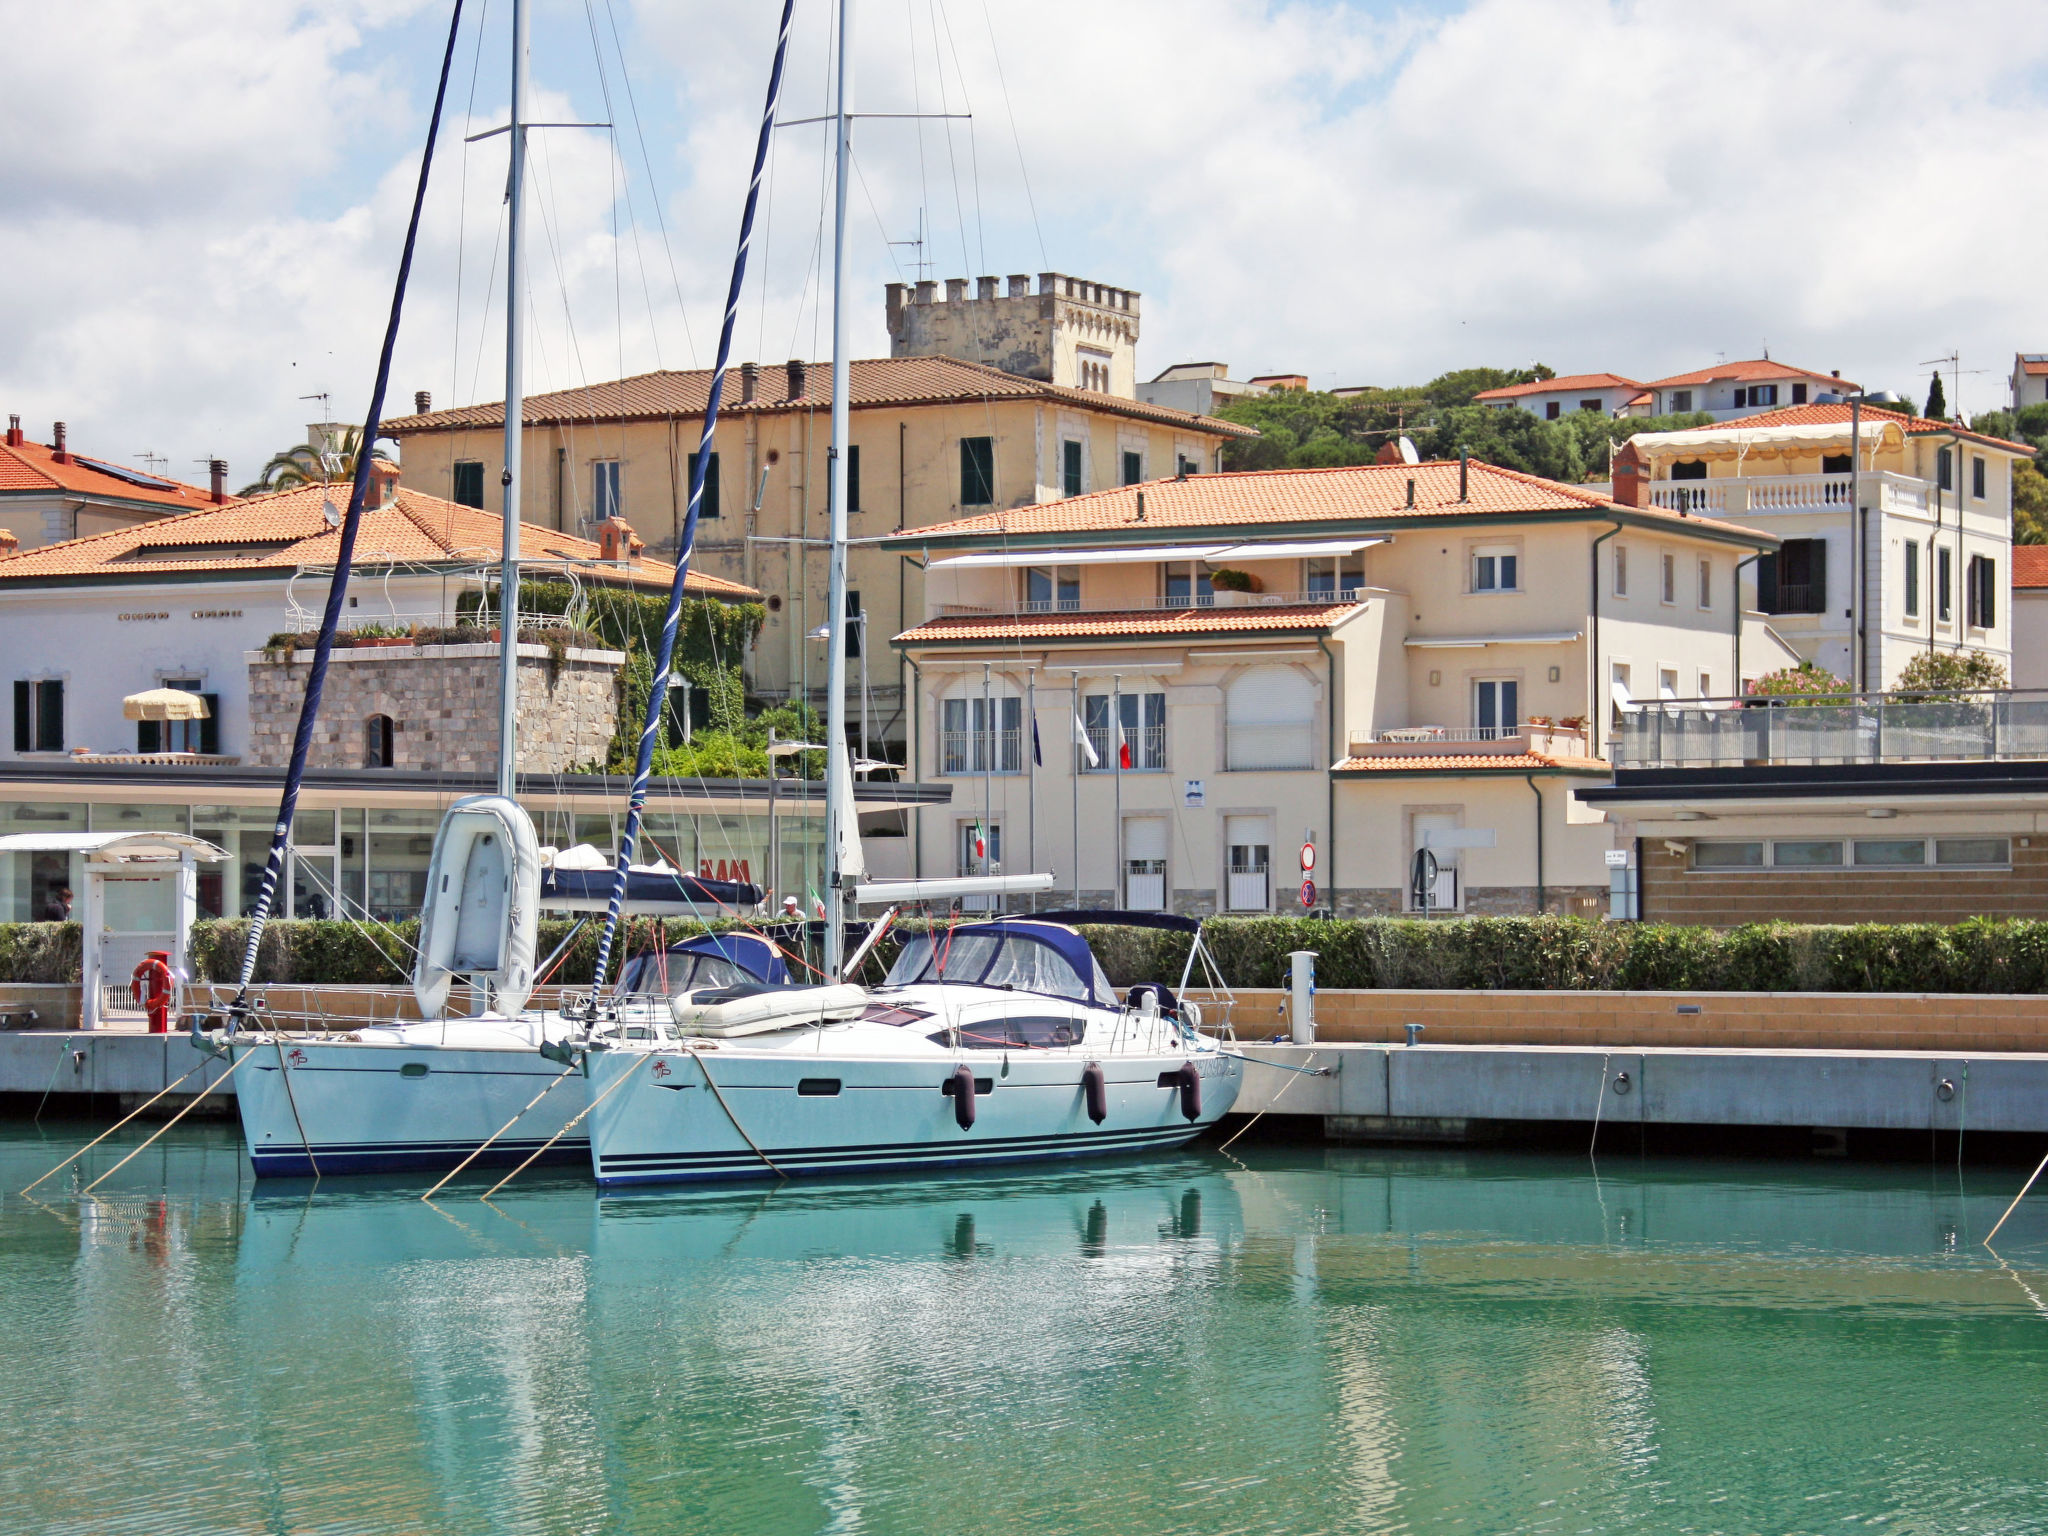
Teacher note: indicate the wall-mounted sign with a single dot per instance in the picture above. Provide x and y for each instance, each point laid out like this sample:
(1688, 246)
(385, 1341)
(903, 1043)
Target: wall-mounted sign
(1191, 793)
(216, 613)
(1617, 858)
(141, 618)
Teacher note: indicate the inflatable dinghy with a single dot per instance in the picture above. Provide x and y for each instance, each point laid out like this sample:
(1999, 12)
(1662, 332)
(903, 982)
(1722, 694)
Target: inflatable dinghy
(483, 899)
(723, 1012)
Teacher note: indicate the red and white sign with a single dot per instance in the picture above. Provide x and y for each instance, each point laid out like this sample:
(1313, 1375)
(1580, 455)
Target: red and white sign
(1308, 858)
(1308, 893)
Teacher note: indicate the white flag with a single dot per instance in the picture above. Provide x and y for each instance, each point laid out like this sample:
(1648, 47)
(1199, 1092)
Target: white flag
(1087, 746)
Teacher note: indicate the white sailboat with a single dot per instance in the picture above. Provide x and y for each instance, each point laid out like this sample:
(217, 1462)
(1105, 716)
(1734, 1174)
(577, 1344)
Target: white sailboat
(993, 1042)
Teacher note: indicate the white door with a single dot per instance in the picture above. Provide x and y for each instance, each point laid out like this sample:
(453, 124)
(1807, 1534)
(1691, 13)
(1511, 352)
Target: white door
(1145, 863)
(138, 913)
(1248, 863)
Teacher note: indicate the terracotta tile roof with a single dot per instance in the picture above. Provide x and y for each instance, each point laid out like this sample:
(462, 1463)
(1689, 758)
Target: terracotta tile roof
(2033, 363)
(1570, 381)
(2029, 566)
(1834, 414)
(877, 382)
(1146, 623)
(289, 529)
(33, 467)
(1237, 502)
(1509, 762)
(1759, 368)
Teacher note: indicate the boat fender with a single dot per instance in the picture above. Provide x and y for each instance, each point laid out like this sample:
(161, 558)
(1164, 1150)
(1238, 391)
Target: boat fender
(1190, 1091)
(1095, 1090)
(963, 1097)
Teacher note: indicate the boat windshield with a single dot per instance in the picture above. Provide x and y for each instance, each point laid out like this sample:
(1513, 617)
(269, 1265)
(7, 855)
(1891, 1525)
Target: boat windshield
(1019, 961)
(665, 974)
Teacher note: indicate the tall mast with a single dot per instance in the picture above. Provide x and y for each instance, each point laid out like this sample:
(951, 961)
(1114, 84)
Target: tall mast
(836, 768)
(515, 411)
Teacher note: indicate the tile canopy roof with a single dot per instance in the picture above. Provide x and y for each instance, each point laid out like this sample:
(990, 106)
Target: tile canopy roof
(1467, 762)
(281, 532)
(1248, 503)
(1757, 368)
(877, 382)
(33, 467)
(2029, 566)
(1566, 384)
(1837, 414)
(1146, 623)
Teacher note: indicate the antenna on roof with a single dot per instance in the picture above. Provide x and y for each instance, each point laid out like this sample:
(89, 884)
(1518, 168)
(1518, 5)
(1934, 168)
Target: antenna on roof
(919, 263)
(1408, 453)
(151, 459)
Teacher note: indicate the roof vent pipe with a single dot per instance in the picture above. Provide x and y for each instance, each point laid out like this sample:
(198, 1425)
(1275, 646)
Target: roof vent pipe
(14, 431)
(796, 378)
(1411, 490)
(218, 469)
(1464, 475)
(422, 402)
(57, 444)
(1141, 506)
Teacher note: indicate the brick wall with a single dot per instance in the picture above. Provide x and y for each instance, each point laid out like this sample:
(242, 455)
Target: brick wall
(1674, 892)
(443, 702)
(1846, 1021)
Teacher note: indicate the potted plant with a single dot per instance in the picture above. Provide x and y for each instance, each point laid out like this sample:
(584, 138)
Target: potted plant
(1233, 589)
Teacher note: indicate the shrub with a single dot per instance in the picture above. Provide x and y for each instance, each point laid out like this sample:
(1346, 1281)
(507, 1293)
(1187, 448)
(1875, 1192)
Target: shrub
(1951, 672)
(40, 952)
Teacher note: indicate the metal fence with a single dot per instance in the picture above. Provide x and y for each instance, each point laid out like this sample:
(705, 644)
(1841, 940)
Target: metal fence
(1848, 728)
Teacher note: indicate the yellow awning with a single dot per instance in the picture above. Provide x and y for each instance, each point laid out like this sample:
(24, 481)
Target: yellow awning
(165, 704)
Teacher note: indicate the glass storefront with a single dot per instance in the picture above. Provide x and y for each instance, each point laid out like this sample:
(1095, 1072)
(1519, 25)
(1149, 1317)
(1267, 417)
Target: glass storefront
(39, 887)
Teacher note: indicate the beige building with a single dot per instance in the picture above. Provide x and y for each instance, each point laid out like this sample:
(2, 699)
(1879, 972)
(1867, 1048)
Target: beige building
(934, 439)
(1161, 692)
(49, 492)
(1923, 561)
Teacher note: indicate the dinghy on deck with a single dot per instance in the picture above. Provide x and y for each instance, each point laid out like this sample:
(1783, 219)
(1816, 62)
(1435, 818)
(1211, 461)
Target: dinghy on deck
(483, 901)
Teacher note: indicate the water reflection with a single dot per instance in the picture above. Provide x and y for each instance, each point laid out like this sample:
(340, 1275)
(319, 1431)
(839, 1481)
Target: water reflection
(1305, 1340)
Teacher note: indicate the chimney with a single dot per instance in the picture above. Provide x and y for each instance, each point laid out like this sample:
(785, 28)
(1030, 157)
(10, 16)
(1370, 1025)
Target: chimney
(1835, 372)
(57, 444)
(616, 541)
(217, 470)
(1629, 474)
(1464, 475)
(1411, 490)
(796, 378)
(383, 482)
(10, 543)
(14, 438)
(422, 402)
(750, 383)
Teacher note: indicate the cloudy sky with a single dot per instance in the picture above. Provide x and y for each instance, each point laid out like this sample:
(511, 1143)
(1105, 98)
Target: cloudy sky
(202, 201)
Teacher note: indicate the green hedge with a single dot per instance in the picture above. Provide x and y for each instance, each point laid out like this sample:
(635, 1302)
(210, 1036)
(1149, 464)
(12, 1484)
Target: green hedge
(1503, 953)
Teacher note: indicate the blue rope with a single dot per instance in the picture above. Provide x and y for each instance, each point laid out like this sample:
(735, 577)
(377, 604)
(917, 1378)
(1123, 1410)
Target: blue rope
(657, 699)
(330, 619)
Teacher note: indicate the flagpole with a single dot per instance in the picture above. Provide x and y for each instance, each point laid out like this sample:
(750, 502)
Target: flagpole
(1116, 717)
(1074, 757)
(988, 752)
(1031, 790)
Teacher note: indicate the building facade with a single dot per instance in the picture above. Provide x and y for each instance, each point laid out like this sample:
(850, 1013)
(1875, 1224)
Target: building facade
(1732, 391)
(1903, 546)
(1606, 394)
(1162, 693)
(1202, 388)
(49, 492)
(2029, 379)
(2030, 615)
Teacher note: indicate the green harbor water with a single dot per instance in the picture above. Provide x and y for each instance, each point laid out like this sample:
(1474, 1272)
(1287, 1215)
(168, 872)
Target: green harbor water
(1306, 1340)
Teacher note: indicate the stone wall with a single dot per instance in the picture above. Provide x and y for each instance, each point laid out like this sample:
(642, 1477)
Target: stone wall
(443, 704)
(1674, 892)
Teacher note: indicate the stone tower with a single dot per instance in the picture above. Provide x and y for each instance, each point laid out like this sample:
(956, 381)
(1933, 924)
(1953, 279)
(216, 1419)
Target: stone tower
(1072, 332)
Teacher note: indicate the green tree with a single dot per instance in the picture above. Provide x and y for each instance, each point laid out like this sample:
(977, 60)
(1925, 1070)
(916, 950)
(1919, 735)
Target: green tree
(1951, 672)
(2029, 503)
(1807, 680)
(1937, 399)
(302, 465)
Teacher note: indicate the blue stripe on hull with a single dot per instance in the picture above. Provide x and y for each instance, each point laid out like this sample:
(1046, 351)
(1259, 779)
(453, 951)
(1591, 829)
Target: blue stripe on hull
(678, 1168)
(402, 1157)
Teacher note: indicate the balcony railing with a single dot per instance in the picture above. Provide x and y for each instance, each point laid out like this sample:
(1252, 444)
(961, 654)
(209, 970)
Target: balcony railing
(1147, 744)
(1473, 740)
(963, 752)
(1249, 889)
(1845, 728)
(1225, 600)
(1737, 494)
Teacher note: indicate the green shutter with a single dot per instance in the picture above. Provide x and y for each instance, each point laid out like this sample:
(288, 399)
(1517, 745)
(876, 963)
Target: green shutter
(209, 728)
(853, 477)
(24, 727)
(50, 716)
(710, 505)
(149, 736)
(977, 471)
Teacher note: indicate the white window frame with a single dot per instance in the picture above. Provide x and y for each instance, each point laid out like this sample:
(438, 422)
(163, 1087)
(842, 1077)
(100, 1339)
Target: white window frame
(1667, 578)
(1494, 553)
(1706, 577)
(1621, 570)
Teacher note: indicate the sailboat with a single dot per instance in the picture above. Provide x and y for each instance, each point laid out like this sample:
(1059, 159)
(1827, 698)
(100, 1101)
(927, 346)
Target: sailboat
(445, 1092)
(991, 1042)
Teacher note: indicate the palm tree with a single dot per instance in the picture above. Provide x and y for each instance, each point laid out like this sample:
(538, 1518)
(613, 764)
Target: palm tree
(303, 465)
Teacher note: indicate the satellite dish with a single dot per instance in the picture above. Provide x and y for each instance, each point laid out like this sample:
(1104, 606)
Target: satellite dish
(331, 513)
(1408, 453)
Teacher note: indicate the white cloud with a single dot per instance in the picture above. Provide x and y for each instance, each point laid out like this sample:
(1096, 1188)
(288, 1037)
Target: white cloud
(210, 228)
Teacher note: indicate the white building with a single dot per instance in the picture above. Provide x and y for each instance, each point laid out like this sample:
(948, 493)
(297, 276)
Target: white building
(1902, 547)
(2030, 615)
(1729, 391)
(1200, 388)
(1608, 394)
(2029, 379)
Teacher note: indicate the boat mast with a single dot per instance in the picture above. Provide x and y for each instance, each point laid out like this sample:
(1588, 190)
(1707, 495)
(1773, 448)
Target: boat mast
(515, 412)
(837, 772)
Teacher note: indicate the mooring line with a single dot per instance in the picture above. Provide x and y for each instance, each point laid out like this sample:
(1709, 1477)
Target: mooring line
(501, 1130)
(233, 1068)
(63, 1050)
(2016, 1199)
(1599, 1103)
(705, 1067)
(624, 1078)
(74, 1157)
(1255, 1119)
(293, 1099)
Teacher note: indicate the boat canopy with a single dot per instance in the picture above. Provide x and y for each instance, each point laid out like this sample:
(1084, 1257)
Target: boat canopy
(1118, 918)
(708, 960)
(1025, 956)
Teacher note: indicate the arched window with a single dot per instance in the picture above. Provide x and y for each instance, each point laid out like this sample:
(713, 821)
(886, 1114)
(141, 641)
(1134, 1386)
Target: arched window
(379, 732)
(1269, 720)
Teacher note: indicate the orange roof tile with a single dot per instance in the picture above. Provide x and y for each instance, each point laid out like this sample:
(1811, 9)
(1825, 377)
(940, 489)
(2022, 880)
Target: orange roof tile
(877, 382)
(1507, 762)
(2029, 566)
(34, 468)
(1570, 381)
(289, 529)
(2033, 363)
(1239, 502)
(1144, 623)
(1837, 414)
(1753, 368)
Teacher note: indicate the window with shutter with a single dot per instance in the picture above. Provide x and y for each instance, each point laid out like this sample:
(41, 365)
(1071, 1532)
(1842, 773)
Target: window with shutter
(1070, 468)
(853, 477)
(149, 736)
(209, 728)
(977, 471)
(1767, 584)
(709, 507)
(50, 716)
(24, 724)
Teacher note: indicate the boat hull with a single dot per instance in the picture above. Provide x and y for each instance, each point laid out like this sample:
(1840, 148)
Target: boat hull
(668, 1126)
(362, 1113)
